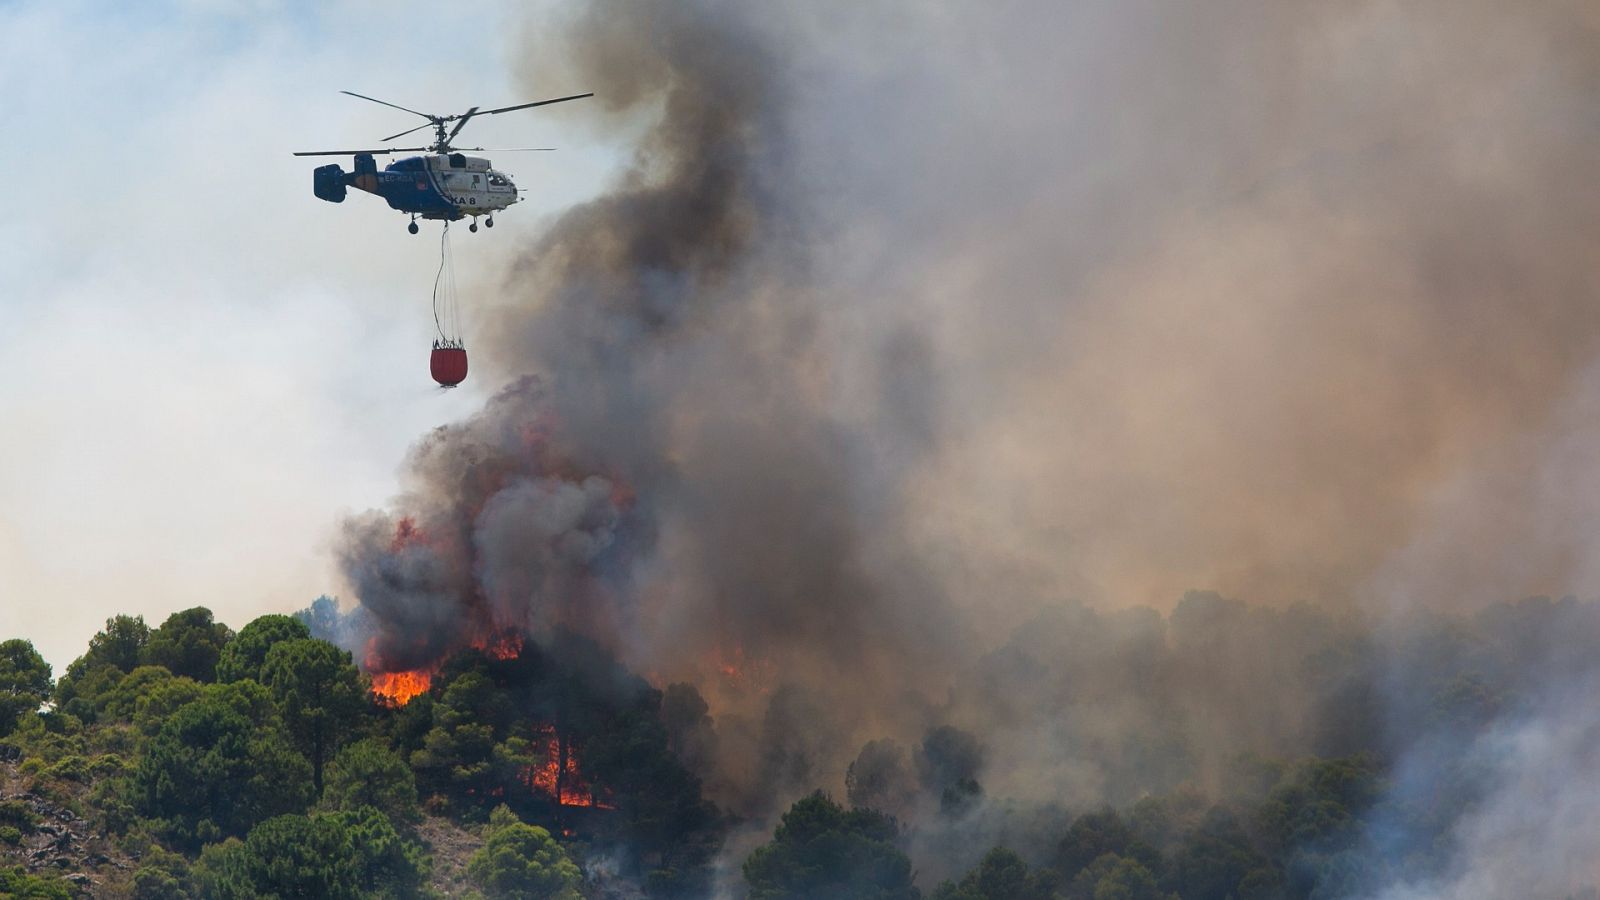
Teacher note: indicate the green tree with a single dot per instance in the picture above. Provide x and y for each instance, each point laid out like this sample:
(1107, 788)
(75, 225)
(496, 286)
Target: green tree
(660, 802)
(83, 693)
(1001, 875)
(1163, 820)
(1095, 834)
(1315, 817)
(14, 882)
(244, 656)
(368, 773)
(158, 696)
(132, 693)
(210, 771)
(822, 850)
(121, 644)
(162, 875)
(522, 862)
(690, 732)
(457, 757)
(1320, 804)
(322, 618)
(24, 682)
(948, 763)
(1113, 877)
(113, 653)
(355, 854)
(391, 866)
(880, 778)
(286, 856)
(319, 692)
(1214, 859)
(188, 643)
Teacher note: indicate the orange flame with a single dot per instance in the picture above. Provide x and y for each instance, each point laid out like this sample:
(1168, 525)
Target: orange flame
(743, 673)
(567, 788)
(406, 533)
(505, 645)
(397, 688)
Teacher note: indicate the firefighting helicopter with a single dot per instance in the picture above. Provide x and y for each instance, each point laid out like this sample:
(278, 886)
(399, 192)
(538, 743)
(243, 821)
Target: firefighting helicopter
(446, 184)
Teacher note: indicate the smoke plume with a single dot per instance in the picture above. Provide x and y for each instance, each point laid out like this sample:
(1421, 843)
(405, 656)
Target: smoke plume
(922, 358)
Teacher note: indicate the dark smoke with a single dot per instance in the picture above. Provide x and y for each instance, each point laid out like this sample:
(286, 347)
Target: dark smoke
(905, 324)
(502, 533)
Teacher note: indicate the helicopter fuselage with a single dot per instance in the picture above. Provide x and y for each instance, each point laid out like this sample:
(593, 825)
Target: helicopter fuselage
(446, 186)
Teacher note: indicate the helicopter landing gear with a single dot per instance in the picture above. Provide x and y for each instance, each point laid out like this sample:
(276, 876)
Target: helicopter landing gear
(473, 227)
(413, 226)
(488, 222)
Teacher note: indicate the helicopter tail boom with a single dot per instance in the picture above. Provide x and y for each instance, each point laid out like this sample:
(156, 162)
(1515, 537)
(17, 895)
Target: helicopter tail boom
(330, 182)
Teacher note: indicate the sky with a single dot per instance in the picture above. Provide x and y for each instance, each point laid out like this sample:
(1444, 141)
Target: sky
(209, 366)
(1124, 297)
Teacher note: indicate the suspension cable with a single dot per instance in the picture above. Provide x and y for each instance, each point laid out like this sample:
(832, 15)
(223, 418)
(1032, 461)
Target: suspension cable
(444, 258)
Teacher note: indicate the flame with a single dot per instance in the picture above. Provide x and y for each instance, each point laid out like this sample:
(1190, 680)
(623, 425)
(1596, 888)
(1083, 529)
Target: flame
(397, 688)
(499, 630)
(406, 534)
(567, 788)
(505, 645)
(743, 673)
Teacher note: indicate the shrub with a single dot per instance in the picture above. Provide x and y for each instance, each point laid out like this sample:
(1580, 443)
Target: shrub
(70, 768)
(17, 814)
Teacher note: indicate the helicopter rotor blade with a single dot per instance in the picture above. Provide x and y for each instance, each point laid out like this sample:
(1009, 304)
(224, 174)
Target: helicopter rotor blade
(461, 124)
(387, 103)
(354, 152)
(492, 112)
(408, 131)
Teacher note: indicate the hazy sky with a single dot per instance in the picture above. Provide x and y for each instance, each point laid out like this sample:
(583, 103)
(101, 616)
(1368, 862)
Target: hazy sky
(207, 364)
(1293, 303)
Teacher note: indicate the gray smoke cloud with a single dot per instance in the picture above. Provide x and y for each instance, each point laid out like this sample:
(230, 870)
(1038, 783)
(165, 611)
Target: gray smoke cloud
(498, 534)
(908, 328)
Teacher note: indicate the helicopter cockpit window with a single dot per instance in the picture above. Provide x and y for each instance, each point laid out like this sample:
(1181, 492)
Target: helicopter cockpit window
(497, 180)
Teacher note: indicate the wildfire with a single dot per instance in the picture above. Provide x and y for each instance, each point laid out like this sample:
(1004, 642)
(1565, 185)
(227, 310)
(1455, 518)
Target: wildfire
(743, 673)
(406, 534)
(505, 645)
(562, 782)
(397, 688)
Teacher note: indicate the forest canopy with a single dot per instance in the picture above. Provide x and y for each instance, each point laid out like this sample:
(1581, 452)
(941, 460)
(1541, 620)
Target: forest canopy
(1253, 753)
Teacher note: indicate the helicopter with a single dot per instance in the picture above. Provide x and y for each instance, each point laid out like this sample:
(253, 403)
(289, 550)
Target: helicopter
(446, 184)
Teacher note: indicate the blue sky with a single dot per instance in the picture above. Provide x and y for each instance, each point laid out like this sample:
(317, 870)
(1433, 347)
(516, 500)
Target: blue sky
(209, 365)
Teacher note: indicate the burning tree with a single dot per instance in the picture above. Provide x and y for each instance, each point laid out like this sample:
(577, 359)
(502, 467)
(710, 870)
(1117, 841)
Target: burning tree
(564, 737)
(559, 777)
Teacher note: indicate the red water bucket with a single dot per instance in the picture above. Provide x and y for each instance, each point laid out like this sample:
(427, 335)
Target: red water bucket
(448, 364)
